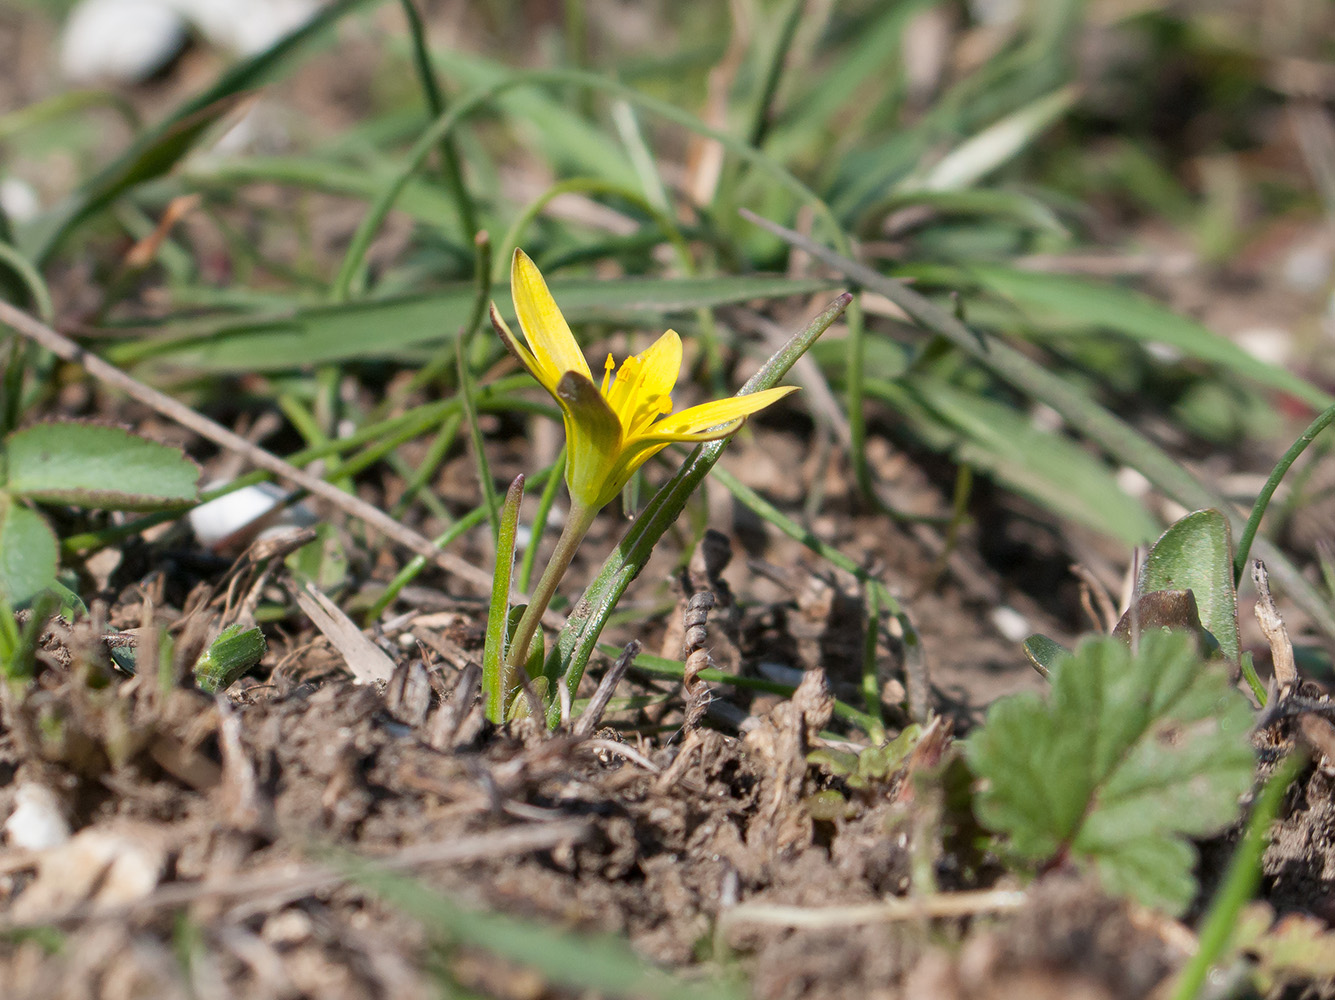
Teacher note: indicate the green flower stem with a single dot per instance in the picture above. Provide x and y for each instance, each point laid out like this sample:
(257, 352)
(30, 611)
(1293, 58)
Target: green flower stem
(576, 642)
(577, 525)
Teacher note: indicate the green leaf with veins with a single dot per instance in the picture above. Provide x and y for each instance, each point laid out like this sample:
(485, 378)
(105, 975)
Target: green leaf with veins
(94, 466)
(28, 552)
(1130, 756)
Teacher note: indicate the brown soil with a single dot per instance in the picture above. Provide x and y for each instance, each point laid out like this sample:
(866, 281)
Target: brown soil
(209, 836)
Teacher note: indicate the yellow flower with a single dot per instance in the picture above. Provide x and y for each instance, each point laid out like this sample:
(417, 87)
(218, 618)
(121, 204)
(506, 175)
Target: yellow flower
(612, 429)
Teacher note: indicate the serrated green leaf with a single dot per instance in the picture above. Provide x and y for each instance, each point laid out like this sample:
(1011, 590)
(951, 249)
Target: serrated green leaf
(93, 466)
(1296, 948)
(28, 552)
(1196, 554)
(1130, 755)
(385, 328)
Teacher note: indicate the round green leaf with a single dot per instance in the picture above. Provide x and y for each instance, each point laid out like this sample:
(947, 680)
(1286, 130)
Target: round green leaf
(28, 552)
(93, 466)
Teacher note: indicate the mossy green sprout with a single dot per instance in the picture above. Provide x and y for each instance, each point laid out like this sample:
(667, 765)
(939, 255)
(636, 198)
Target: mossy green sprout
(612, 427)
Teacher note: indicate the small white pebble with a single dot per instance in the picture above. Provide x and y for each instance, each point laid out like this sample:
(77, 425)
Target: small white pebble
(246, 26)
(119, 41)
(1012, 625)
(1165, 354)
(19, 199)
(1271, 344)
(1308, 266)
(218, 520)
(37, 822)
(1132, 481)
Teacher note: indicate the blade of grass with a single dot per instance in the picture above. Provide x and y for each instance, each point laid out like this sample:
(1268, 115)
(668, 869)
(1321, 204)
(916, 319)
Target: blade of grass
(1248, 532)
(62, 105)
(159, 149)
(467, 388)
(659, 666)
(490, 499)
(602, 965)
(435, 100)
(495, 682)
(439, 448)
(1102, 306)
(871, 681)
(1240, 880)
(277, 340)
(414, 566)
(31, 278)
(1113, 435)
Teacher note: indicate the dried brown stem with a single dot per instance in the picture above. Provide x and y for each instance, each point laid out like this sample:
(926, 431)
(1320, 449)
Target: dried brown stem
(1267, 616)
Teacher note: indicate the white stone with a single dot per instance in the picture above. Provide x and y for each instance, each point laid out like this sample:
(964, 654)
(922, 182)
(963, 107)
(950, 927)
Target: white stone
(245, 27)
(1013, 626)
(119, 41)
(19, 199)
(37, 822)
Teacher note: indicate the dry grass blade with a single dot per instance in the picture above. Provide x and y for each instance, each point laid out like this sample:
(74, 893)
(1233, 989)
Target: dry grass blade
(953, 904)
(364, 658)
(1268, 617)
(593, 712)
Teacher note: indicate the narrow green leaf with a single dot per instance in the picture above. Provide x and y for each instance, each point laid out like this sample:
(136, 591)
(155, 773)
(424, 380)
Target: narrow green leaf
(1196, 554)
(997, 144)
(28, 552)
(324, 334)
(1131, 754)
(1239, 884)
(1271, 484)
(1048, 467)
(988, 202)
(1109, 307)
(94, 466)
(161, 148)
(496, 686)
(603, 965)
(1110, 432)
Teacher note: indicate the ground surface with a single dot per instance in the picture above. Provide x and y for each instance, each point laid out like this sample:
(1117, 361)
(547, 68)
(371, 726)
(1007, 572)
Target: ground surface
(212, 836)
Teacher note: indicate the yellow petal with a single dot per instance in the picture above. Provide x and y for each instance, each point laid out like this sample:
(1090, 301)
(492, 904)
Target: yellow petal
(544, 327)
(633, 455)
(593, 440)
(643, 387)
(522, 354)
(687, 423)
